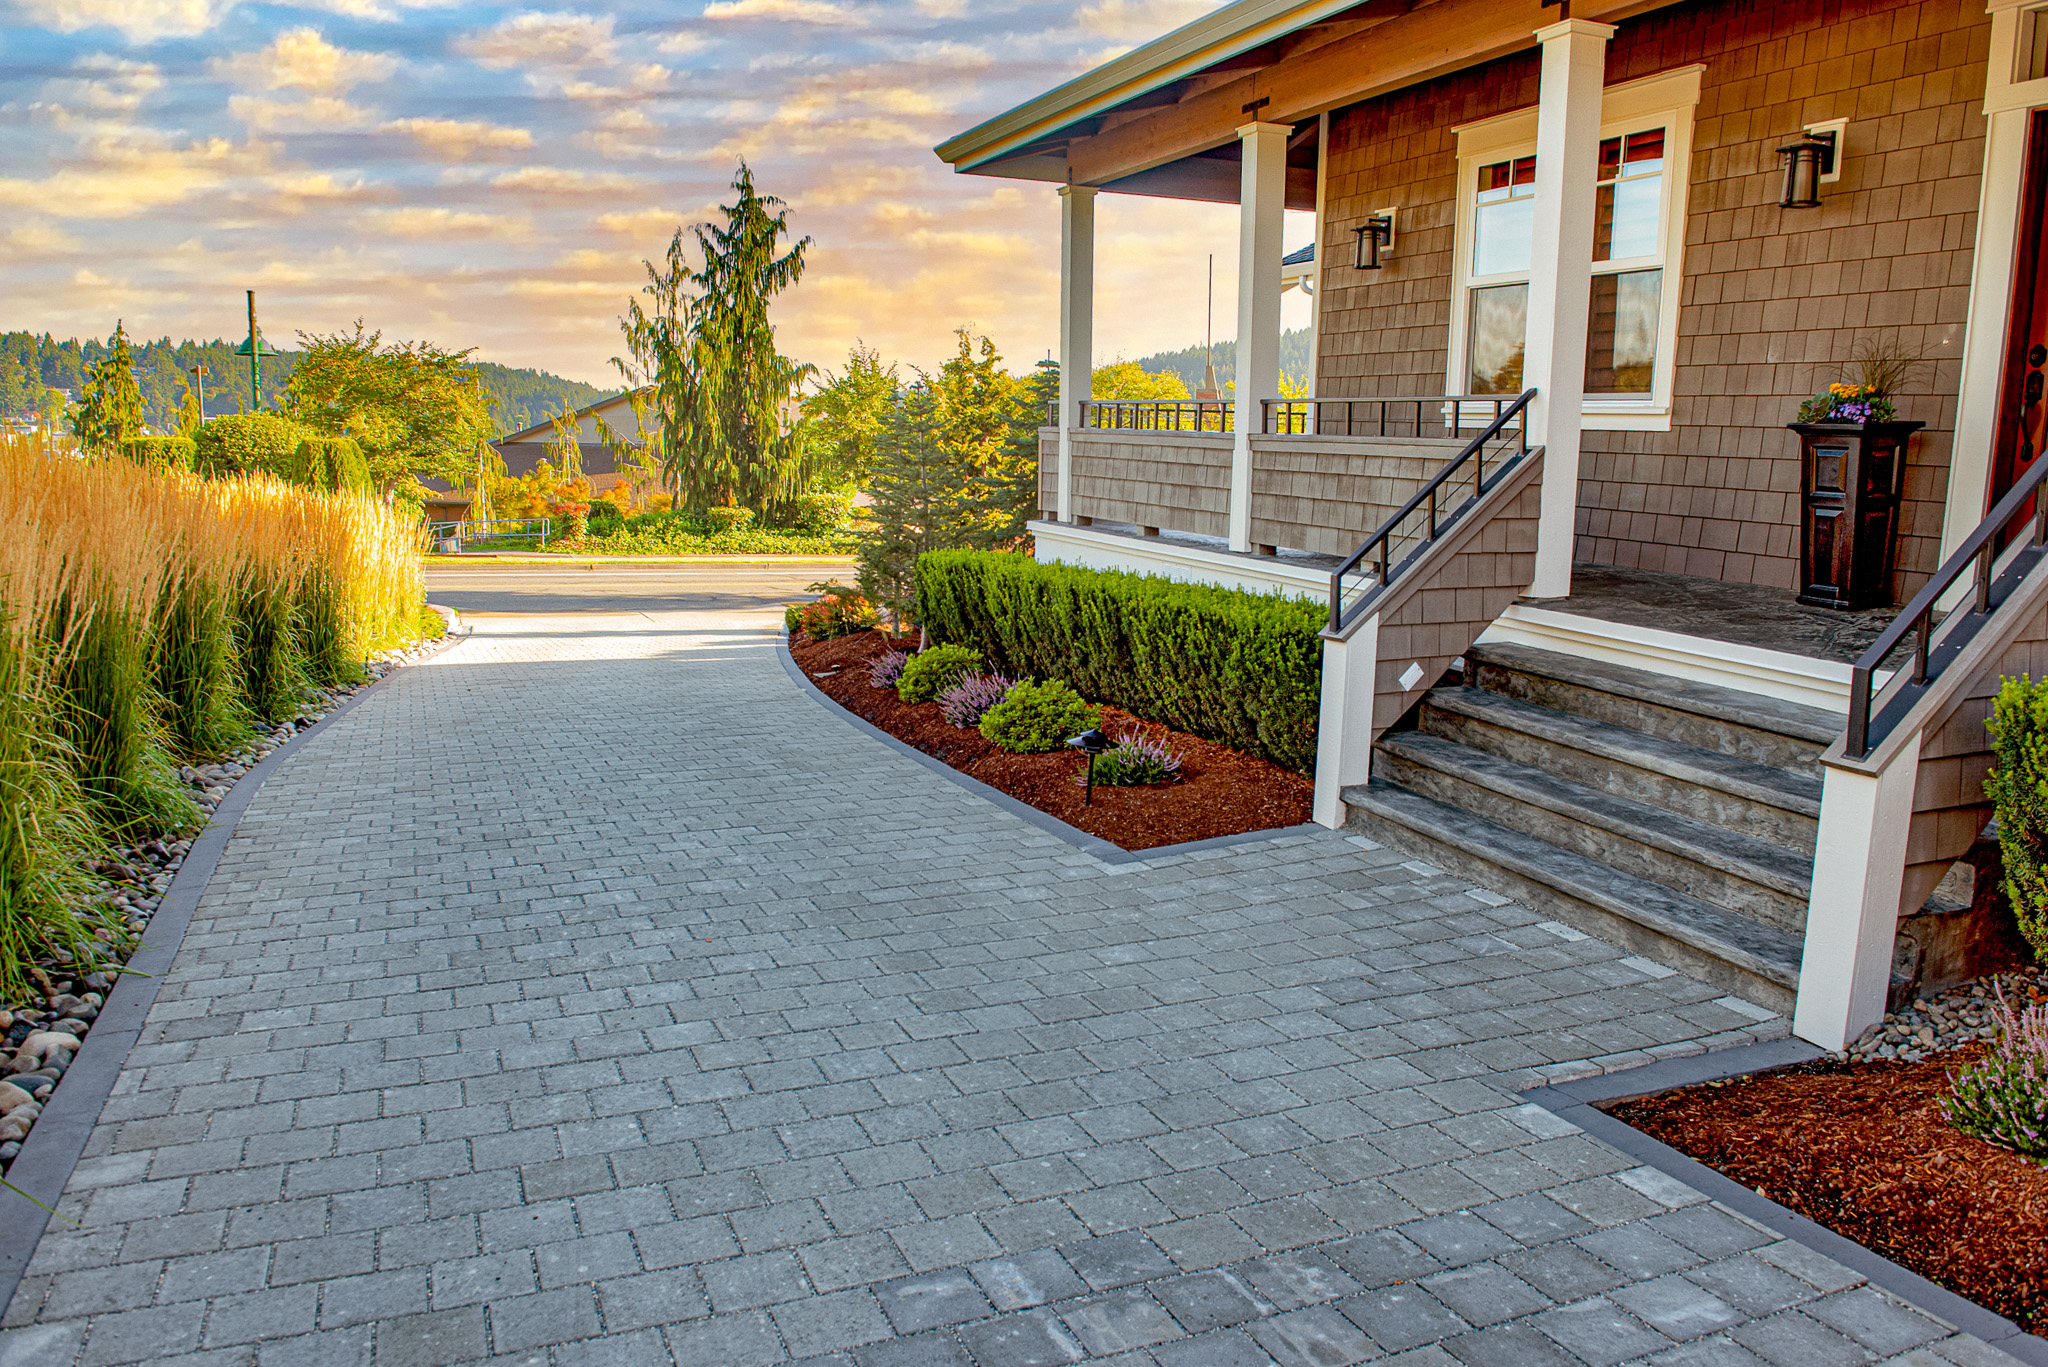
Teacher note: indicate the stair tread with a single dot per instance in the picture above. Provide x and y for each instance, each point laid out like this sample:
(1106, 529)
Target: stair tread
(1754, 710)
(1765, 950)
(1745, 856)
(1782, 788)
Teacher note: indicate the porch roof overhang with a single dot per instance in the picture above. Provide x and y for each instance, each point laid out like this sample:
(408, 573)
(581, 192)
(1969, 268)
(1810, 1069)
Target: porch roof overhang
(1162, 119)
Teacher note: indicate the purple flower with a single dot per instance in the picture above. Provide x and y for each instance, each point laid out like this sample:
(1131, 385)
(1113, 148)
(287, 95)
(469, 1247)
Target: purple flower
(963, 701)
(884, 670)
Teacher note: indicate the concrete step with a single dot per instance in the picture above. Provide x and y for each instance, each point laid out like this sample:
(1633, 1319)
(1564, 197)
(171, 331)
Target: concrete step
(1751, 958)
(1774, 805)
(1736, 872)
(1767, 731)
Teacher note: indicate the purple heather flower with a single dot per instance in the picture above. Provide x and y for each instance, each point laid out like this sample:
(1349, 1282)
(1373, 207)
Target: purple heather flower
(884, 670)
(963, 701)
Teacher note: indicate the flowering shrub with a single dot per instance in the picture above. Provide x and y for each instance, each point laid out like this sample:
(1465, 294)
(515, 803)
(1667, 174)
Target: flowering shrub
(729, 519)
(1035, 717)
(928, 671)
(2003, 1098)
(835, 614)
(885, 669)
(1134, 760)
(964, 700)
(1849, 403)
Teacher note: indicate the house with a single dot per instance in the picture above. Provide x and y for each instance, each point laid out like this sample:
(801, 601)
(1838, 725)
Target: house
(1578, 265)
(524, 450)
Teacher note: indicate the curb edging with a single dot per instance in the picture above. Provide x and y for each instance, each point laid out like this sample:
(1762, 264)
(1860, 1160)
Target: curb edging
(50, 1153)
(1573, 1102)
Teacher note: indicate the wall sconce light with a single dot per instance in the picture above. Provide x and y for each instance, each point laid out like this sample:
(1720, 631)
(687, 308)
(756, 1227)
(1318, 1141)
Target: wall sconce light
(1375, 235)
(1807, 162)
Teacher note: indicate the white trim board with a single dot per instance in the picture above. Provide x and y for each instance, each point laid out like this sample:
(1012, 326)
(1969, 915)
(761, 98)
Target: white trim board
(1726, 664)
(1060, 543)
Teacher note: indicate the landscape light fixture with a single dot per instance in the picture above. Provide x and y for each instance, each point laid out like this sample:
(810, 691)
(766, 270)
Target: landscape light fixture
(1375, 235)
(1806, 161)
(1090, 743)
(255, 348)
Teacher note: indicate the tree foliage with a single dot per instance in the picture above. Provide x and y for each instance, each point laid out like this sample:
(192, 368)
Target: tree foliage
(110, 410)
(712, 392)
(1129, 381)
(844, 418)
(412, 408)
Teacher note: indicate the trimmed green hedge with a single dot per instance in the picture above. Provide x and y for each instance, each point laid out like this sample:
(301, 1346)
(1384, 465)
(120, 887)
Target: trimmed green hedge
(176, 452)
(1242, 669)
(328, 463)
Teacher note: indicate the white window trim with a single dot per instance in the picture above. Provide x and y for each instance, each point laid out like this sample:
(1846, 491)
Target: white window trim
(1671, 96)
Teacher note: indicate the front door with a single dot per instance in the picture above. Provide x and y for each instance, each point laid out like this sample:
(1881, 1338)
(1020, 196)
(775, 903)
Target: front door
(2022, 408)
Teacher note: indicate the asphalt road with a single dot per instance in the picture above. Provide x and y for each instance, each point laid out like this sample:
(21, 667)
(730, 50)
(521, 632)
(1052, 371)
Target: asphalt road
(489, 590)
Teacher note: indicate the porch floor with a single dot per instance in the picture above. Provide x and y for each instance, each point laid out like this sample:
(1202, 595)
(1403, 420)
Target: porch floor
(1748, 614)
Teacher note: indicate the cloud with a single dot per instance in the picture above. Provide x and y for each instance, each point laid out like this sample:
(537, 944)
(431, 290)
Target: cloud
(683, 44)
(319, 114)
(107, 84)
(640, 222)
(139, 21)
(558, 180)
(538, 39)
(301, 59)
(39, 239)
(820, 12)
(441, 224)
(459, 139)
(1139, 21)
(110, 178)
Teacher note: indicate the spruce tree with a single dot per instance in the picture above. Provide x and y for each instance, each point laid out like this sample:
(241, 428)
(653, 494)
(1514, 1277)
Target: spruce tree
(110, 410)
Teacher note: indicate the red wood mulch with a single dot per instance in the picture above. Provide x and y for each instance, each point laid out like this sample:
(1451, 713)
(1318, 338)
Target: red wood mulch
(1222, 791)
(1862, 1149)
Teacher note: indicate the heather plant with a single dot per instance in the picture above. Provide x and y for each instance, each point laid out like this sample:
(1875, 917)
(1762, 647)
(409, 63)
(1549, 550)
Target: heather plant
(935, 668)
(1037, 717)
(1135, 760)
(2003, 1097)
(2018, 788)
(885, 669)
(966, 699)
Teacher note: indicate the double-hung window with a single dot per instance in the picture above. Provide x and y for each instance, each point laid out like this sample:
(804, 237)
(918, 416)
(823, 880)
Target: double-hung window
(1638, 240)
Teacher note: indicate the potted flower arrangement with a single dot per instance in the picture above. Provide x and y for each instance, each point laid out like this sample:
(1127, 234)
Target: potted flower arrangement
(1853, 467)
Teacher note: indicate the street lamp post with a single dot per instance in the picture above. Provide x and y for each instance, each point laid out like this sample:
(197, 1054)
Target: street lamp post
(199, 374)
(255, 348)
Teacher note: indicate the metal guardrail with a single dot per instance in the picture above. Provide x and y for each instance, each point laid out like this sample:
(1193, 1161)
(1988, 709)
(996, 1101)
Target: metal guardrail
(1428, 497)
(1381, 417)
(1158, 415)
(466, 532)
(1980, 550)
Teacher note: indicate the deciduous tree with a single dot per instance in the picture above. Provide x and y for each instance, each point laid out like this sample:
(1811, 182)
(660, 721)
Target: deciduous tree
(413, 408)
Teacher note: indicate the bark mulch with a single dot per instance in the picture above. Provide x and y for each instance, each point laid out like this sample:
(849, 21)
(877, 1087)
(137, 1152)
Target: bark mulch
(1862, 1149)
(1222, 791)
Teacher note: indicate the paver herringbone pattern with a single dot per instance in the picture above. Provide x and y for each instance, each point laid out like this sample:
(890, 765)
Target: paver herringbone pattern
(590, 995)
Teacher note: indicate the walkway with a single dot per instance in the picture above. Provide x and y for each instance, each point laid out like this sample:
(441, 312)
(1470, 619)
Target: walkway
(592, 996)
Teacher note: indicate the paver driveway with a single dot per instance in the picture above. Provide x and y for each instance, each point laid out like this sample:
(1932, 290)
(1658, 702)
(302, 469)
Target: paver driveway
(592, 995)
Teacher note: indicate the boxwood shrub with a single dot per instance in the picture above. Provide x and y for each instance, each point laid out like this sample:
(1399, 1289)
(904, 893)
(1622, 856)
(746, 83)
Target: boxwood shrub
(1242, 669)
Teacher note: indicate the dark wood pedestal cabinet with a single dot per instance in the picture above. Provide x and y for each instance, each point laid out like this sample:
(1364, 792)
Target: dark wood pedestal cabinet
(1852, 476)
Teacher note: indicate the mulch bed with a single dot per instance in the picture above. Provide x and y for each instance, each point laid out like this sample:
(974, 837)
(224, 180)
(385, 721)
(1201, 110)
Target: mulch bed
(1862, 1149)
(1221, 792)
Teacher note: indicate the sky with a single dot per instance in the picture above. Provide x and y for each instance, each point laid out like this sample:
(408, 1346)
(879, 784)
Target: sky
(493, 176)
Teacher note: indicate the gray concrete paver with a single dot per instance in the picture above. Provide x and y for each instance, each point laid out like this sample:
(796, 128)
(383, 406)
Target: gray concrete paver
(590, 995)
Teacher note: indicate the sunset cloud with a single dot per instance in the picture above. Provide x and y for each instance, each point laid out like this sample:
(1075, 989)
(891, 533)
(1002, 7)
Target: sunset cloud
(798, 11)
(301, 59)
(456, 139)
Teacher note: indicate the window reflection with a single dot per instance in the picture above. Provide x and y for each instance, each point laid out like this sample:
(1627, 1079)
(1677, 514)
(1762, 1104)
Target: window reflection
(1500, 323)
(1630, 196)
(1505, 210)
(1621, 335)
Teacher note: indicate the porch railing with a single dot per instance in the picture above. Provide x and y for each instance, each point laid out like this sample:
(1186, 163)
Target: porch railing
(1157, 415)
(1428, 499)
(1393, 415)
(1980, 550)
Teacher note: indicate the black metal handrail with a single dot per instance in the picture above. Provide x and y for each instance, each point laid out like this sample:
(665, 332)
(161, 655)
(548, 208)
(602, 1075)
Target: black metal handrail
(1158, 415)
(1980, 550)
(1426, 496)
(1313, 417)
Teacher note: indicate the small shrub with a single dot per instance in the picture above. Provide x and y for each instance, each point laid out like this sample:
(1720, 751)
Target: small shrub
(2003, 1097)
(930, 670)
(1136, 759)
(2018, 788)
(239, 443)
(963, 702)
(729, 519)
(820, 513)
(1037, 717)
(328, 463)
(885, 669)
(605, 517)
(178, 453)
(836, 614)
(569, 522)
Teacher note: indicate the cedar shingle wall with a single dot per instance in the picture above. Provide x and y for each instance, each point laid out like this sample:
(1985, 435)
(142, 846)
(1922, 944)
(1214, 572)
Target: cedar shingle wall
(1179, 481)
(1773, 300)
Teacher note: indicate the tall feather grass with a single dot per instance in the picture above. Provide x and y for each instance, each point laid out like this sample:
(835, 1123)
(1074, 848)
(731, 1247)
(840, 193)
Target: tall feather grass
(147, 617)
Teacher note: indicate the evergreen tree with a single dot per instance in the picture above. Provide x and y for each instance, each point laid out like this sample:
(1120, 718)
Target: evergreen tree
(843, 421)
(110, 410)
(919, 502)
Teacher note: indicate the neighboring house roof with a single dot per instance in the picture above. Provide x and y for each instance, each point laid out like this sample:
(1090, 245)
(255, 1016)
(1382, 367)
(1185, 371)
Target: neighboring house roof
(617, 411)
(1303, 256)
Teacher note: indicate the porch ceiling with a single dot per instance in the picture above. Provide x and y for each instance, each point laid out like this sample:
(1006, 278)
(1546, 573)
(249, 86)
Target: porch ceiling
(1160, 107)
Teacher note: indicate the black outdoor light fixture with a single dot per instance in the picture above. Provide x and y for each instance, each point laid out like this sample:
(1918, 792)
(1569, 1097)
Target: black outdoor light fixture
(1090, 743)
(1806, 161)
(1374, 236)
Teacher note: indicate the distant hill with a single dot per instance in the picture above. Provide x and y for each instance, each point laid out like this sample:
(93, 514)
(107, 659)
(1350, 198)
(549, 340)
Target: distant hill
(30, 364)
(1187, 362)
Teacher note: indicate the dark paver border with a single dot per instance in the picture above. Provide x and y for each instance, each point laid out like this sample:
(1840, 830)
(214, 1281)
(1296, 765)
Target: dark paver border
(1574, 1102)
(1107, 851)
(53, 1147)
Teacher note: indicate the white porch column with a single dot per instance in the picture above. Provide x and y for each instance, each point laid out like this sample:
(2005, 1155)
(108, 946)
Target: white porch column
(1262, 203)
(1561, 278)
(1077, 326)
(1344, 726)
(1852, 917)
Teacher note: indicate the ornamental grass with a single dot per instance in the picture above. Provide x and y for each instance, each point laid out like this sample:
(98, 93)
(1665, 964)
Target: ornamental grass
(149, 617)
